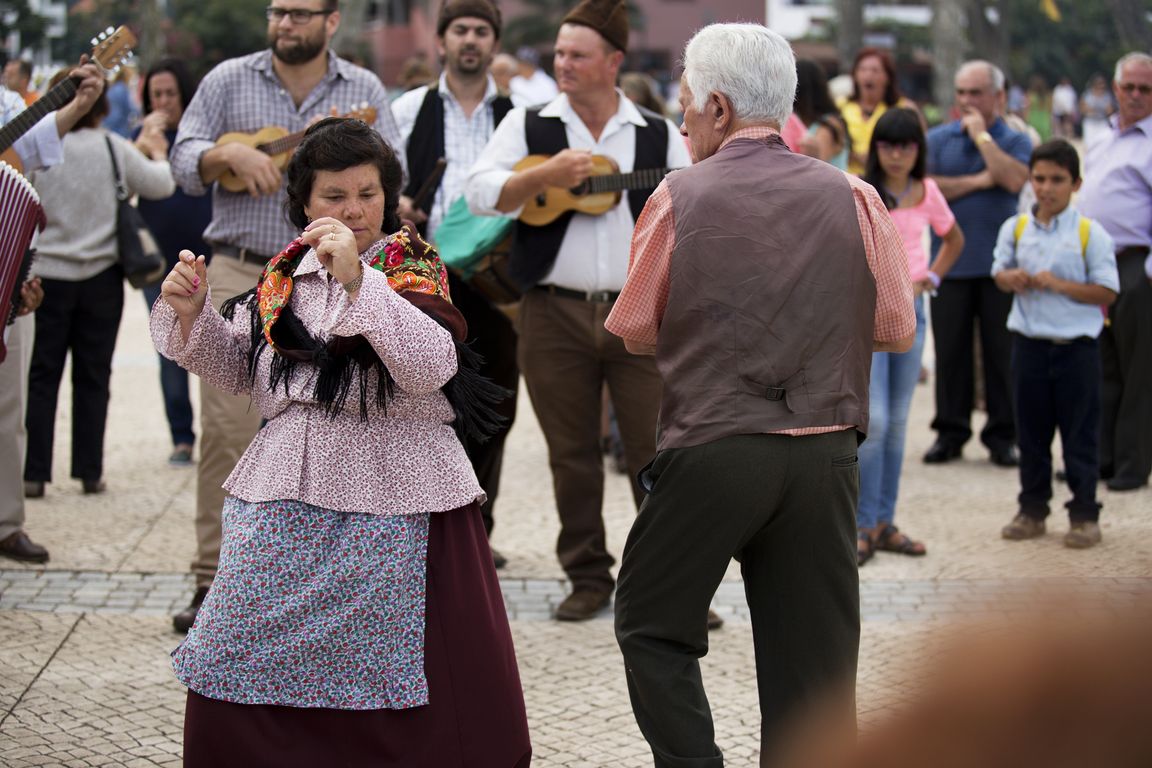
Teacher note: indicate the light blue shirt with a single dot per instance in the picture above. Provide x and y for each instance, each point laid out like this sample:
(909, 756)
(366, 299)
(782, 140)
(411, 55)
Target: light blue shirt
(1043, 314)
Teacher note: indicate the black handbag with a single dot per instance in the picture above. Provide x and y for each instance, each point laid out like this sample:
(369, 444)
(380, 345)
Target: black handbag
(140, 255)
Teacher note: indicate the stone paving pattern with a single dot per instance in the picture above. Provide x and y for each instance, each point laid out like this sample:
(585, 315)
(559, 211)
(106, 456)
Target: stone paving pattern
(84, 642)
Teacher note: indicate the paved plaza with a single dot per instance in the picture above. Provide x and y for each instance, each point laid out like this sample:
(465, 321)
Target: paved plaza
(84, 642)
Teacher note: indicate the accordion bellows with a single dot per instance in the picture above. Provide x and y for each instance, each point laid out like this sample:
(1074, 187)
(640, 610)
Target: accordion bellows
(21, 215)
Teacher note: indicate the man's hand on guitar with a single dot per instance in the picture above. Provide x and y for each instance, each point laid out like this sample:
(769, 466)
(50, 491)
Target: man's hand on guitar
(567, 168)
(257, 170)
(87, 91)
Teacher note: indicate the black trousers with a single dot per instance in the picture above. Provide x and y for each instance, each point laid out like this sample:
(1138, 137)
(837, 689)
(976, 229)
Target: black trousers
(959, 308)
(785, 507)
(1057, 385)
(81, 318)
(1126, 352)
(492, 335)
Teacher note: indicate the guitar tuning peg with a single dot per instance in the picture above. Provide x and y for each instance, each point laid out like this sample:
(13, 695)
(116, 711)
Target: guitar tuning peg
(93, 41)
(108, 32)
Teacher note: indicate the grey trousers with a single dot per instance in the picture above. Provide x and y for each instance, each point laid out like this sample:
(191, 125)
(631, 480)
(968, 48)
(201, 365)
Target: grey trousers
(785, 507)
(227, 425)
(13, 439)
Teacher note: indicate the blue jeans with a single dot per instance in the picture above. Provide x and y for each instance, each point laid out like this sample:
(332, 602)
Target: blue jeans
(174, 385)
(893, 380)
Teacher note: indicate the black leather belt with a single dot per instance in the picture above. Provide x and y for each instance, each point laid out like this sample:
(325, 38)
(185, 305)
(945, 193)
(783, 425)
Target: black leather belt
(243, 255)
(596, 297)
(1132, 250)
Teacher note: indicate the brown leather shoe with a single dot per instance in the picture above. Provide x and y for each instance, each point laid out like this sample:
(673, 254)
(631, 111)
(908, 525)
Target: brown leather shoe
(714, 620)
(1023, 527)
(183, 621)
(19, 547)
(582, 604)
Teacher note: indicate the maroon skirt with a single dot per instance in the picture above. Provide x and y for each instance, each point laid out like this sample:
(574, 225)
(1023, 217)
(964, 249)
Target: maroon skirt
(475, 716)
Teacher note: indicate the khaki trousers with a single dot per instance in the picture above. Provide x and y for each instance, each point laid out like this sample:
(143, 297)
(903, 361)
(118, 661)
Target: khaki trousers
(227, 425)
(13, 439)
(566, 357)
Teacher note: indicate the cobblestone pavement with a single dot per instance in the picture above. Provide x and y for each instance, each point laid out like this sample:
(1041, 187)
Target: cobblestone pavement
(85, 641)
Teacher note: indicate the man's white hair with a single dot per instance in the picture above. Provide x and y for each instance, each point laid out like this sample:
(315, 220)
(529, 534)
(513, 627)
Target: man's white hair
(1136, 57)
(749, 63)
(995, 74)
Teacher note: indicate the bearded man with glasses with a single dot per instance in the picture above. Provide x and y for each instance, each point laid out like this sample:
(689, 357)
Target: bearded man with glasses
(289, 85)
(1117, 192)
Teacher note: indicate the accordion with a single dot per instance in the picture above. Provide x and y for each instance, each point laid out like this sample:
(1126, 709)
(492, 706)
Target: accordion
(21, 215)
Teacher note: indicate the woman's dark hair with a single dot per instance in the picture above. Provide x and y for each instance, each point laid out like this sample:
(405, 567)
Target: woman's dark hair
(812, 98)
(335, 144)
(95, 114)
(892, 91)
(897, 126)
(185, 83)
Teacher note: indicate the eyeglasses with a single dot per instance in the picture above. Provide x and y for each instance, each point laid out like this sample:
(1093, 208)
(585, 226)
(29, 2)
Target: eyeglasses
(299, 16)
(1143, 88)
(973, 92)
(897, 146)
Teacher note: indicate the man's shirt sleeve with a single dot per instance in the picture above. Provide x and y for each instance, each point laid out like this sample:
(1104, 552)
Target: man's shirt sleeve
(637, 313)
(895, 317)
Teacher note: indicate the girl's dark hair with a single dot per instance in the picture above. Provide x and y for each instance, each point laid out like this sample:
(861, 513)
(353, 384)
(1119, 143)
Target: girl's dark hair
(185, 83)
(336, 144)
(812, 98)
(897, 126)
(892, 91)
(95, 114)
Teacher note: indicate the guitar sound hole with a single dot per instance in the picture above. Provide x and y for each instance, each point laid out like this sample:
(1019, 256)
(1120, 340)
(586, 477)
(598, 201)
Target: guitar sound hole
(541, 200)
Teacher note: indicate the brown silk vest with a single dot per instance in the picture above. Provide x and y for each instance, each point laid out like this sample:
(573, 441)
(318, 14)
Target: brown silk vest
(770, 314)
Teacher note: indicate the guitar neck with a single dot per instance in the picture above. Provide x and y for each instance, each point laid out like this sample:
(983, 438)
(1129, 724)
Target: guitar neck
(60, 95)
(648, 178)
(283, 144)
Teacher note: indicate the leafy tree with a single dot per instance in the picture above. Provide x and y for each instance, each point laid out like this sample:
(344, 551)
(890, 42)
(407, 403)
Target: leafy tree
(17, 16)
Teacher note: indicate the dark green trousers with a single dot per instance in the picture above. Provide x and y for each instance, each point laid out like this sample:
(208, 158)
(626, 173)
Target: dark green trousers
(785, 507)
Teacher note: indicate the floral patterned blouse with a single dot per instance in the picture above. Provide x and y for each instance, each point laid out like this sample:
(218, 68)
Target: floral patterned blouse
(405, 461)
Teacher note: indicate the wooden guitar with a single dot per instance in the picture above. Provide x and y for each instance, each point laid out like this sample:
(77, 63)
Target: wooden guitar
(599, 193)
(277, 143)
(109, 52)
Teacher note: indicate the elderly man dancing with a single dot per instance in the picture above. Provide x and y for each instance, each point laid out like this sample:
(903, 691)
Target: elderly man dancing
(762, 281)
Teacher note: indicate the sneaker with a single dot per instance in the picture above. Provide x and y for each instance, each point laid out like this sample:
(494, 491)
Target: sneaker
(1082, 535)
(181, 456)
(1023, 527)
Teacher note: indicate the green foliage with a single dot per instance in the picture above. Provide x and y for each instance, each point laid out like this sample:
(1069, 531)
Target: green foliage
(16, 16)
(206, 32)
(1082, 44)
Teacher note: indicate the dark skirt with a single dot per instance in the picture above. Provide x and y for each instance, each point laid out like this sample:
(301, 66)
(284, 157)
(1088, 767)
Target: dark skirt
(475, 717)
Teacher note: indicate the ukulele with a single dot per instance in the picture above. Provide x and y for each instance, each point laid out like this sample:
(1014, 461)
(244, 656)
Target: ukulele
(277, 143)
(599, 193)
(109, 52)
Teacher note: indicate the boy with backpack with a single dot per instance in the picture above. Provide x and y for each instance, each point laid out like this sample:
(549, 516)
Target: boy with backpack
(1061, 268)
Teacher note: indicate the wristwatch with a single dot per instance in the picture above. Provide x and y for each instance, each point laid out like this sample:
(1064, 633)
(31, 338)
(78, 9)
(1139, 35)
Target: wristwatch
(982, 138)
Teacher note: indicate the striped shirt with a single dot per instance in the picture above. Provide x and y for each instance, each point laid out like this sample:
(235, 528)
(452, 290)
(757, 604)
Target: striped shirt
(245, 95)
(464, 138)
(637, 313)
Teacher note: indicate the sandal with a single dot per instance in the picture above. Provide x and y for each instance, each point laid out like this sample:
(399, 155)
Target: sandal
(891, 540)
(864, 548)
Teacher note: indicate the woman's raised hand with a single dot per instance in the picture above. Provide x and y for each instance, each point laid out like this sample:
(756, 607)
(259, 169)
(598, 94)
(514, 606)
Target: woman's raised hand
(335, 246)
(186, 286)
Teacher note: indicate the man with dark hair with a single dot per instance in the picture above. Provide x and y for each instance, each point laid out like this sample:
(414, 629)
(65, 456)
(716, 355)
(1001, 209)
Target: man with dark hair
(18, 77)
(571, 271)
(1118, 193)
(289, 85)
(453, 120)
